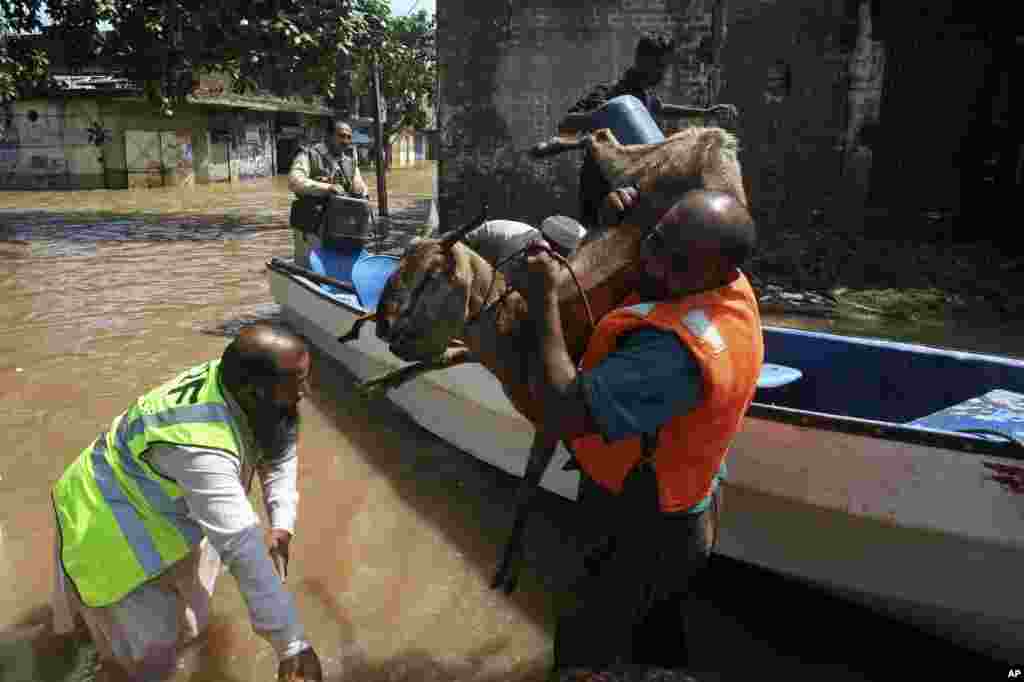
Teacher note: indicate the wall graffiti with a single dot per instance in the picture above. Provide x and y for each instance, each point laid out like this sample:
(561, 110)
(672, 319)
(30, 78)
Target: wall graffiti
(254, 154)
(32, 151)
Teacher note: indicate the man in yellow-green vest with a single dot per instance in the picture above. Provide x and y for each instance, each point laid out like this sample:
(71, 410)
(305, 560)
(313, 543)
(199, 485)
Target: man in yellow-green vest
(148, 511)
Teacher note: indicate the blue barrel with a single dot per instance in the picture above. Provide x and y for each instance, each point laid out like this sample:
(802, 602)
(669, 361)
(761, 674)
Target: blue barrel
(629, 119)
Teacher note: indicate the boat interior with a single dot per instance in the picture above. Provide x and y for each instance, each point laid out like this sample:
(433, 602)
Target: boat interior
(892, 382)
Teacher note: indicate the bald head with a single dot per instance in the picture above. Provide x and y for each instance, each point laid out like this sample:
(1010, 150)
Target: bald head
(262, 356)
(706, 221)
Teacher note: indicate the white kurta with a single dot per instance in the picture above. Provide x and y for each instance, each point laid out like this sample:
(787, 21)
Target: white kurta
(145, 629)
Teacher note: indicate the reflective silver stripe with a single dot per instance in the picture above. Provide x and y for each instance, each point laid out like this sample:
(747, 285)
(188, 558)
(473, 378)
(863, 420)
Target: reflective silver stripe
(150, 489)
(127, 517)
(641, 309)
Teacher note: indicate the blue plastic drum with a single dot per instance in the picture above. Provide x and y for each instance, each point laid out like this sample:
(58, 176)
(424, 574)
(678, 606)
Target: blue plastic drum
(629, 119)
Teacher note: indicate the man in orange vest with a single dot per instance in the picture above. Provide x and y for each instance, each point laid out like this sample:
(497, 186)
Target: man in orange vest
(662, 390)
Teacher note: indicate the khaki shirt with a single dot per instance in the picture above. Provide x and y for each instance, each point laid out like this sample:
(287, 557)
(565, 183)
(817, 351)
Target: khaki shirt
(302, 179)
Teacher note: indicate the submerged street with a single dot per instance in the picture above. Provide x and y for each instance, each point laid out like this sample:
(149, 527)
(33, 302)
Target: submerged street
(108, 293)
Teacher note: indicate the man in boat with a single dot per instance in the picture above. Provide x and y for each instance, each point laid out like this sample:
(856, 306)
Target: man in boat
(331, 199)
(147, 513)
(663, 387)
(328, 168)
(652, 57)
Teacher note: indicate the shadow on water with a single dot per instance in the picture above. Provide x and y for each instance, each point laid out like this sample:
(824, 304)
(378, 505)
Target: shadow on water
(470, 500)
(269, 313)
(746, 619)
(415, 665)
(67, 234)
(29, 651)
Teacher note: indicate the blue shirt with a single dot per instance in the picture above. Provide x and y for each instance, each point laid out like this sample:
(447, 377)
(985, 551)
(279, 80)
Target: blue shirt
(649, 378)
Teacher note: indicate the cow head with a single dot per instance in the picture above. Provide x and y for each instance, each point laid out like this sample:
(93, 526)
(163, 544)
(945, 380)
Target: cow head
(425, 302)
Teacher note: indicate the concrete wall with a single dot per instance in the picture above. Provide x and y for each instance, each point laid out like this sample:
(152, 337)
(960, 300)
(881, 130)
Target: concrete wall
(44, 144)
(807, 77)
(848, 117)
(509, 72)
(787, 66)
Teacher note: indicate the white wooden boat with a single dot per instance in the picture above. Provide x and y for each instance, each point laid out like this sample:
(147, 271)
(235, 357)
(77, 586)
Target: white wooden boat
(849, 473)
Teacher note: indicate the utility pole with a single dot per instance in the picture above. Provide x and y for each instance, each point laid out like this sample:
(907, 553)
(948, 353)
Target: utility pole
(378, 127)
(342, 74)
(717, 41)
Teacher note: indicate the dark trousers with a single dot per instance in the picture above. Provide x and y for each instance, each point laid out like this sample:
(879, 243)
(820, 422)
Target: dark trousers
(634, 610)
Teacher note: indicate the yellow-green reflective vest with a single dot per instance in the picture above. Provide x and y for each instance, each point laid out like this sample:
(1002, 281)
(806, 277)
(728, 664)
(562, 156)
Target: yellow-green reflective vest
(121, 523)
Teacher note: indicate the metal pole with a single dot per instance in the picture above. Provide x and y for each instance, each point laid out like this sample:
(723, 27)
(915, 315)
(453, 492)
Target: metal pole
(717, 41)
(378, 126)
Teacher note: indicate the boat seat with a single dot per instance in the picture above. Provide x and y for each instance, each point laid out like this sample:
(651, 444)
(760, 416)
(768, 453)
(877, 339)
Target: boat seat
(369, 275)
(774, 376)
(334, 263)
(367, 272)
(995, 415)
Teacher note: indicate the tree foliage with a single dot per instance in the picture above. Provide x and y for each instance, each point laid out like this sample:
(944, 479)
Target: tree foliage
(276, 45)
(406, 53)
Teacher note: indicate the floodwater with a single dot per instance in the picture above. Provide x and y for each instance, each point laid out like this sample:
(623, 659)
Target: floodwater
(107, 293)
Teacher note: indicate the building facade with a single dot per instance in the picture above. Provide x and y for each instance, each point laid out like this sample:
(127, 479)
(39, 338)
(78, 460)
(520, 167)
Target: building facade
(107, 136)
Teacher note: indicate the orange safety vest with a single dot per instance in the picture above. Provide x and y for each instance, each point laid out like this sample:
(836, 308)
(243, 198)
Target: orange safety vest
(722, 328)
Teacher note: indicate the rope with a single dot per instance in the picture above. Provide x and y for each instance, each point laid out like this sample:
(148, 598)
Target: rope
(551, 252)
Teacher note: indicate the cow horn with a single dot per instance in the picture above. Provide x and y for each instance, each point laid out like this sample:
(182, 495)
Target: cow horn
(448, 241)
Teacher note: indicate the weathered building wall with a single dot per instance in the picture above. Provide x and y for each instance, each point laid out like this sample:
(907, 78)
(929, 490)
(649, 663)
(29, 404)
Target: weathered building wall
(44, 144)
(895, 117)
(146, 149)
(806, 75)
(937, 116)
(787, 66)
(509, 72)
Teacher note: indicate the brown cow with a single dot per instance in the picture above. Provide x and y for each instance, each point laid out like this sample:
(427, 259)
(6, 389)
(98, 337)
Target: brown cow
(445, 305)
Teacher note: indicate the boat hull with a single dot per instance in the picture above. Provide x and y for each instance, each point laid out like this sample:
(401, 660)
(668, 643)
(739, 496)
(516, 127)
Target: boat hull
(916, 531)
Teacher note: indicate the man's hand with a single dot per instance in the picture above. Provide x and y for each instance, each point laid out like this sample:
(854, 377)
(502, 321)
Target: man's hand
(617, 204)
(1009, 476)
(278, 542)
(538, 274)
(305, 667)
(339, 190)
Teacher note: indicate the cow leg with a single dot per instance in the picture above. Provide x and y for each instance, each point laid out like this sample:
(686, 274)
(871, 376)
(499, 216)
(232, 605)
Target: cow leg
(541, 452)
(563, 142)
(357, 326)
(455, 355)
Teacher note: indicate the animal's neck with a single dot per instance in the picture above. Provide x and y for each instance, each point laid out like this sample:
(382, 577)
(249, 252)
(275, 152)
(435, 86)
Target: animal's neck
(487, 285)
(497, 319)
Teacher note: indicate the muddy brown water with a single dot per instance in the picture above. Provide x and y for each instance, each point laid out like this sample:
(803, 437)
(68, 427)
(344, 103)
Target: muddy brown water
(107, 293)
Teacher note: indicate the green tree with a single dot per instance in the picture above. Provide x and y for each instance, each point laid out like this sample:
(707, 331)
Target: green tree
(23, 69)
(273, 45)
(405, 49)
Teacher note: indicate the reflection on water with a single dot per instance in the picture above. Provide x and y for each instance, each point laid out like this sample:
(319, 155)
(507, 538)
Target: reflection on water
(972, 334)
(108, 293)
